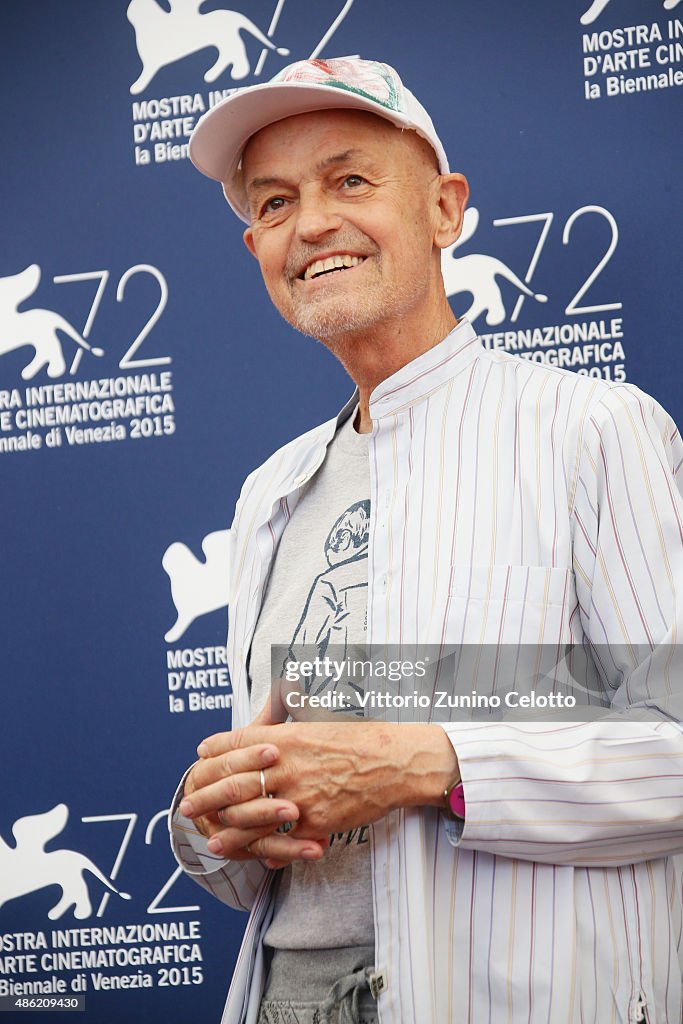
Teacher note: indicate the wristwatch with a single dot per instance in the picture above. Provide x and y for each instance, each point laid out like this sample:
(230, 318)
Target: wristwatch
(454, 799)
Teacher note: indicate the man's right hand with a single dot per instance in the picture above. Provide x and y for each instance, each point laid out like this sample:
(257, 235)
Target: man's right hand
(247, 830)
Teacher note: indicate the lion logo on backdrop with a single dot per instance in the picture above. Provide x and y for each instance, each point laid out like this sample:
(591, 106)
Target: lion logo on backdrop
(197, 587)
(598, 6)
(37, 328)
(27, 867)
(477, 273)
(163, 37)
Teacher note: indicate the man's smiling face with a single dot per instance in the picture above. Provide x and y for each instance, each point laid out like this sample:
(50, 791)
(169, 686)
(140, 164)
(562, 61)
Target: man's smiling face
(344, 210)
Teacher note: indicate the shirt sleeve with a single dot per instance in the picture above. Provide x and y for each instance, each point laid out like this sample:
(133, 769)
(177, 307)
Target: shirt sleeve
(233, 882)
(607, 791)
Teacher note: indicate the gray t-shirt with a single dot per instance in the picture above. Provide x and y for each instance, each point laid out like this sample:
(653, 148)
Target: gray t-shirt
(317, 595)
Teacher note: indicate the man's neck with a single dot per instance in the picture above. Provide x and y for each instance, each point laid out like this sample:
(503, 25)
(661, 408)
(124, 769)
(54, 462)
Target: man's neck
(370, 359)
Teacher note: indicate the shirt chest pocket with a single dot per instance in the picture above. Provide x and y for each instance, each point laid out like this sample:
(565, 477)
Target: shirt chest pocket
(511, 605)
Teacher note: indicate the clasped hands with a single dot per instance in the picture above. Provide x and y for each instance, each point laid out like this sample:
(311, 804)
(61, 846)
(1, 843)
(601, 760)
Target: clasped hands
(323, 776)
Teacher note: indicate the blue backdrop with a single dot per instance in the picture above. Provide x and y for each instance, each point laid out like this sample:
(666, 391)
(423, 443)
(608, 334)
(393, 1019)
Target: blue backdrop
(143, 374)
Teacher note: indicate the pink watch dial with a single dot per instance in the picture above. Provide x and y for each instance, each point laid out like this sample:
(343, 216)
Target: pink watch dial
(456, 801)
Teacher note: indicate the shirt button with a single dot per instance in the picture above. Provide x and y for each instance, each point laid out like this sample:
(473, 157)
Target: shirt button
(301, 479)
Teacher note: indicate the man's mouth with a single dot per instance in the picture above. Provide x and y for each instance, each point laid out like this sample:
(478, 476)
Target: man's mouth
(331, 265)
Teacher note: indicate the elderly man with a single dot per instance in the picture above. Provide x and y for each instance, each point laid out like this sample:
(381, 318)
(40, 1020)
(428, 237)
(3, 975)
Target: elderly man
(466, 871)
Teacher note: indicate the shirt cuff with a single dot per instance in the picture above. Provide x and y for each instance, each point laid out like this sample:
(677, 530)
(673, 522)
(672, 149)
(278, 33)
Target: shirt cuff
(454, 827)
(188, 844)
(454, 830)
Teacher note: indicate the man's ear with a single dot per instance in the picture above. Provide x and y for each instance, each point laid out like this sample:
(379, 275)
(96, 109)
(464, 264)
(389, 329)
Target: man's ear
(248, 238)
(453, 194)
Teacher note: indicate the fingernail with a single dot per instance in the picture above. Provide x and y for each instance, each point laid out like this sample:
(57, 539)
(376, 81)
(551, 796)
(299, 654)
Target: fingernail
(269, 755)
(202, 750)
(186, 808)
(215, 845)
(311, 853)
(288, 814)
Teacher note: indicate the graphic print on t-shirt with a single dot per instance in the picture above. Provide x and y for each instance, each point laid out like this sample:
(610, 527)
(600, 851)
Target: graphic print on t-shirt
(315, 605)
(335, 611)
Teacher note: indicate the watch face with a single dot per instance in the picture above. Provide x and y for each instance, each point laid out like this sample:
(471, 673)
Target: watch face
(456, 801)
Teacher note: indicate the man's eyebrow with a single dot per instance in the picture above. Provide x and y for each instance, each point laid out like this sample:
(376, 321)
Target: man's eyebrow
(322, 165)
(256, 183)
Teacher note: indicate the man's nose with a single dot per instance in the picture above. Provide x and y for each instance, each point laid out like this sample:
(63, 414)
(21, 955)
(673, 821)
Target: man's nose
(317, 214)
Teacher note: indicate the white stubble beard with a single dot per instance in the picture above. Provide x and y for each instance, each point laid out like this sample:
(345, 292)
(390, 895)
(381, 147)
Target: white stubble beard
(327, 318)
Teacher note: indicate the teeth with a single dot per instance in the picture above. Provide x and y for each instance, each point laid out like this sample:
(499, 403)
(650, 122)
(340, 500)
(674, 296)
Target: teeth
(331, 263)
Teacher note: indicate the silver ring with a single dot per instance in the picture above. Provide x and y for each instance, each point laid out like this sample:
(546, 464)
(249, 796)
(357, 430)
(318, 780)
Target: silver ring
(264, 791)
(219, 814)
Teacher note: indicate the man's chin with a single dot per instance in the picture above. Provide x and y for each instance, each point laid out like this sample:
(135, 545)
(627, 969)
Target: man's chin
(327, 324)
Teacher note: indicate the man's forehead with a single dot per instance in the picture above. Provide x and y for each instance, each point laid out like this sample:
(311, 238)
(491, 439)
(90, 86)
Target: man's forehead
(325, 138)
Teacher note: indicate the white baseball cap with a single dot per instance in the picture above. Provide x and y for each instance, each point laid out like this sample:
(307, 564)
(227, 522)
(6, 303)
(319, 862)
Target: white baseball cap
(218, 140)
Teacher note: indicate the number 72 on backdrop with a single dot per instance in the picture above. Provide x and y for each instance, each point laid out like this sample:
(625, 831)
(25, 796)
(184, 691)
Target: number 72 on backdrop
(130, 359)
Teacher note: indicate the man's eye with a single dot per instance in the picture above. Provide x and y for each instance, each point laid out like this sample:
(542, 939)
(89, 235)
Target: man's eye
(353, 181)
(272, 205)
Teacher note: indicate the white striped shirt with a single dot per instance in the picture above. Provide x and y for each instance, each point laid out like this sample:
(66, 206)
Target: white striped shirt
(511, 503)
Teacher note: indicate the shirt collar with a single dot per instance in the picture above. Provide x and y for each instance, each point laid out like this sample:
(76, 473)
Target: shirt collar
(423, 375)
(416, 379)
(348, 408)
